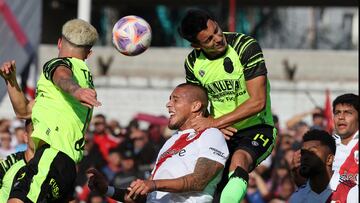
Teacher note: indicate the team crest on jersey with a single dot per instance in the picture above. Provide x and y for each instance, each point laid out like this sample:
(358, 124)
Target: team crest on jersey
(356, 156)
(201, 73)
(228, 65)
(190, 136)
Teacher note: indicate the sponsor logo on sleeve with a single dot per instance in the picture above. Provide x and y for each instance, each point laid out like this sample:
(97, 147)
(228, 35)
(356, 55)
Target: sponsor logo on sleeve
(217, 152)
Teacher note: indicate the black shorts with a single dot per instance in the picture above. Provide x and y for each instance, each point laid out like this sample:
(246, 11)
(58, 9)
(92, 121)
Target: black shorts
(257, 140)
(48, 177)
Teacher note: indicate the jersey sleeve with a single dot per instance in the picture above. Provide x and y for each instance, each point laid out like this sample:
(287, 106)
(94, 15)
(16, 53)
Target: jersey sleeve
(50, 67)
(213, 146)
(251, 57)
(189, 68)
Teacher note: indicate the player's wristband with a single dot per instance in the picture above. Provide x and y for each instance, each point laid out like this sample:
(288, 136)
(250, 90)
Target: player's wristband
(110, 191)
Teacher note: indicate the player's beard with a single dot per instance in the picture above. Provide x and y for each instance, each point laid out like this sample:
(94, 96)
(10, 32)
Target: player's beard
(175, 125)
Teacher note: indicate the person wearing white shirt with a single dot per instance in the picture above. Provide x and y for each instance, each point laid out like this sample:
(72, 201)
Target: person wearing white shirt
(317, 155)
(345, 181)
(189, 165)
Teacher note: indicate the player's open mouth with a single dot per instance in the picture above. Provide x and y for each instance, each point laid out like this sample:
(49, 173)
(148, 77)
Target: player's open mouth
(171, 113)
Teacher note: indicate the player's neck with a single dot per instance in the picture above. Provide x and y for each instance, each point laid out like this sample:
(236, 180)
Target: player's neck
(345, 141)
(72, 53)
(188, 123)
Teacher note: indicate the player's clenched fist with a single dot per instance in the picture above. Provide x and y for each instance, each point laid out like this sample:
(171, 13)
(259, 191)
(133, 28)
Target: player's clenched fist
(8, 70)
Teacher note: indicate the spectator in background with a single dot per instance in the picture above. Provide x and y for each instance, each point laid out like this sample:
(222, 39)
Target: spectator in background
(317, 115)
(156, 135)
(5, 145)
(345, 181)
(144, 151)
(298, 132)
(116, 130)
(285, 143)
(257, 191)
(95, 197)
(5, 125)
(317, 156)
(287, 188)
(22, 138)
(113, 165)
(129, 171)
(279, 183)
(102, 137)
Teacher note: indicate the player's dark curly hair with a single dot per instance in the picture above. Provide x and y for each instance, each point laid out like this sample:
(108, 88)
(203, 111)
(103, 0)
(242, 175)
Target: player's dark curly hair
(349, 98)
(194, 21)
(320, 135)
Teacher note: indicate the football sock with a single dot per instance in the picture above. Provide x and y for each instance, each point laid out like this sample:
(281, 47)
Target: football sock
(235, 189)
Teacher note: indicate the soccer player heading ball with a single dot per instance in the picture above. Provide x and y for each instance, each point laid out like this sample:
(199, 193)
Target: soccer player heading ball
(231, 67)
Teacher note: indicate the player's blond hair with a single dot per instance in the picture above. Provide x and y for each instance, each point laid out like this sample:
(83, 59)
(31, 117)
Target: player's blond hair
(79, 33)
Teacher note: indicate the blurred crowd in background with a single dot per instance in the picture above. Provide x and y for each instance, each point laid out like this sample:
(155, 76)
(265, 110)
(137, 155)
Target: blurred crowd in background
(125, 153)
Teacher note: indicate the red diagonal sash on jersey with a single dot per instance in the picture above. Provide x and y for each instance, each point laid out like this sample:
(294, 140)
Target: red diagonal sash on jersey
(348, 172)
(179, 144)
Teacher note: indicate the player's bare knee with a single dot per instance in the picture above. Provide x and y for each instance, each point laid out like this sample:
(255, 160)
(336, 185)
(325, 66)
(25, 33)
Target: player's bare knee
(241, 158)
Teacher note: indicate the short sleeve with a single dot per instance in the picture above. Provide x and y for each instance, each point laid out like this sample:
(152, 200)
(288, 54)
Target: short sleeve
(50, 67)
(213, 146)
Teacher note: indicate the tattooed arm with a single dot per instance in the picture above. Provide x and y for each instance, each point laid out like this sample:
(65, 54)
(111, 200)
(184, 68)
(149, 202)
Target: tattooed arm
(205, 170)
(63, 79)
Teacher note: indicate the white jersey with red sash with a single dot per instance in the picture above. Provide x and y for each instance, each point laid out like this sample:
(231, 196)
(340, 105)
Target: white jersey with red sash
(178, 157)
(345, 180)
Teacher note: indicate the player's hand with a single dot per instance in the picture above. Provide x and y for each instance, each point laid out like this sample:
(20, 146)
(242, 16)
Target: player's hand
(228, 132)
(140, 188)
(296, 161)
(8, 70)
(97, 182)
(200, 123)
(87, 97)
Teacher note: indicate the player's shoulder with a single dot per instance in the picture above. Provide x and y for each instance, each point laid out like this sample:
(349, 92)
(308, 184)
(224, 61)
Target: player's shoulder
(236, 39)
(59, 61)
(215, 132)
(192, 56)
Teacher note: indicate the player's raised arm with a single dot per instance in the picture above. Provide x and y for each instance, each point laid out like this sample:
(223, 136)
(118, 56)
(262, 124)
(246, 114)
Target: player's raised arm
(63, 79)
(22, 106)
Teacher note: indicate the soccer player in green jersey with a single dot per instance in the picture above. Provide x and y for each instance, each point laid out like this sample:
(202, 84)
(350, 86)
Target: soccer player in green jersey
(10, 166)
(61, 113)
(231, 67)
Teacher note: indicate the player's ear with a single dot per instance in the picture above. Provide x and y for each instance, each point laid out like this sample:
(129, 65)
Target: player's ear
(330, 160)
(196, 106)
(59, 43)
